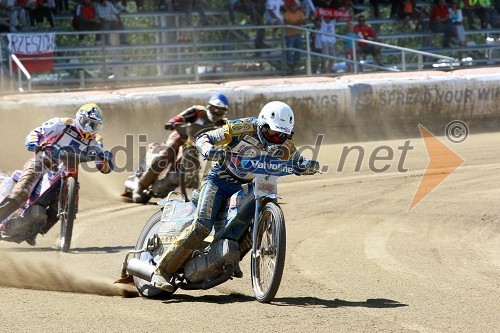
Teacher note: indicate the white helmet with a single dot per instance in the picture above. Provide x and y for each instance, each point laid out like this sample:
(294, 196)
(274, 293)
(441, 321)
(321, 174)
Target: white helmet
(276, 116)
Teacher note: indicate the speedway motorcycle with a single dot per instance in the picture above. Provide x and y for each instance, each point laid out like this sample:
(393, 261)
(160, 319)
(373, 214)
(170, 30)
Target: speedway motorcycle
(186, 173)
(55, 196)
(255, 222)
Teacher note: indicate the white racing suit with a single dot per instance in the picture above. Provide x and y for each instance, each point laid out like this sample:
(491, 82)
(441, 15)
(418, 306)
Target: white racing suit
(39, 164)
(224, 179)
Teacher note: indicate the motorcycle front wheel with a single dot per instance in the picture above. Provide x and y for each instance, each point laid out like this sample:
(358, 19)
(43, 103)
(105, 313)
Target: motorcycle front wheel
(150, 229)
(67, 212)
(268, 261)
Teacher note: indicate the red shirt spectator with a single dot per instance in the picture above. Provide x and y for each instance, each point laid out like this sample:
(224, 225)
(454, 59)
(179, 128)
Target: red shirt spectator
(440, 21)
(367, 33)
(364, 31)
(440, 13)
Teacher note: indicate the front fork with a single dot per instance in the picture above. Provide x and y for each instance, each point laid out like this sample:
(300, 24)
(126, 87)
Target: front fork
(256, 221)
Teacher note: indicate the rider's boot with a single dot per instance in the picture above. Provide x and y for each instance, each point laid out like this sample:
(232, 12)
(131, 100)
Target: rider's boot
(7, 207)
(138, 194)
(237, 272)
(177, 254)
(31, 241)
(160, 282)
(144, 182)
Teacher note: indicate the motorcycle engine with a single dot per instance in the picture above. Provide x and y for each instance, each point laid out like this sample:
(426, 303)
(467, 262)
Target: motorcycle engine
(208, 266)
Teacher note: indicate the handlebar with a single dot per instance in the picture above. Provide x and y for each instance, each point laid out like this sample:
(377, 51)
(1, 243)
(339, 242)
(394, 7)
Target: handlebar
(91, 154)
(264, 164)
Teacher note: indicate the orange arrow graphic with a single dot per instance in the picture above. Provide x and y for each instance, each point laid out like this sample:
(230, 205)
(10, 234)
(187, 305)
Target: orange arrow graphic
(442, 162)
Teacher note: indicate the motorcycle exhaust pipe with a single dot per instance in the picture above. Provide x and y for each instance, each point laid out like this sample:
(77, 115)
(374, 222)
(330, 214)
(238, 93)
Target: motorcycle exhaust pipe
(140, 269)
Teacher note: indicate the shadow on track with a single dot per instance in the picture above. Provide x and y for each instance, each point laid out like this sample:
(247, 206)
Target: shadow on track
(217, 299)
(337, 303)
(287, 301)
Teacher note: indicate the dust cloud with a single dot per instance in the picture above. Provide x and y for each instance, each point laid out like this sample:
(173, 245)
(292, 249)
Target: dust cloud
(50, 276)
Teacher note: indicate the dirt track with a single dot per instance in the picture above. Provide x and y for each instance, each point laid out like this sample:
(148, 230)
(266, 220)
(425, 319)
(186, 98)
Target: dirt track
(357, 259)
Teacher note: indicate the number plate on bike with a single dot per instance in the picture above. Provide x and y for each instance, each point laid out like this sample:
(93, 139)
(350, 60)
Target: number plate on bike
(265, 185)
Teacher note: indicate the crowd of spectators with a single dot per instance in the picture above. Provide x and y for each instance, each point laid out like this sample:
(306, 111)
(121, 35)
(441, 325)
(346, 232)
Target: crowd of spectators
(446, 18)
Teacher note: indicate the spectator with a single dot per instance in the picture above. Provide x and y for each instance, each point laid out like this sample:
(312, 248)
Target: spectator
(469, 10)
(85, 18)
(187, 6)
(487, 14)
(367, 33)
(272, 14)
(316, 45)
(457, 18)
(16, 15)
(38, 11)
(440, 21)
(110, 19)
(349, 47)
(254, 16)
(408, 11)
(328, 42)
(293, 37)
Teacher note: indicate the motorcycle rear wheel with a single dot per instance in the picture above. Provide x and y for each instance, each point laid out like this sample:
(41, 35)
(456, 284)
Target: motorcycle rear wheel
(148, 231)
(268, 261)
(67, 213)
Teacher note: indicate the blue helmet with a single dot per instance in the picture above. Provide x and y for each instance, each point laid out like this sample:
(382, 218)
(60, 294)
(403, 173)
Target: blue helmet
(219, 100)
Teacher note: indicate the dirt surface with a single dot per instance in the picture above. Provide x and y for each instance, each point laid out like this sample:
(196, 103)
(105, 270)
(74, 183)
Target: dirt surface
(358, 260)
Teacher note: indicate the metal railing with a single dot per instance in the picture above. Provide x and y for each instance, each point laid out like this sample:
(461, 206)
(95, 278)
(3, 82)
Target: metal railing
(353, 41)
(20, 69)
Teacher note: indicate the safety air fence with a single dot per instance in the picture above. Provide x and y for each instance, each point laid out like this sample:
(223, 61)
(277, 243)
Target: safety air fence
(351, 107)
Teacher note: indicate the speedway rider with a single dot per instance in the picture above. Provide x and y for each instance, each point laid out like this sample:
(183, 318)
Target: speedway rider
(270, 133)
(213, 113)
(88, 121)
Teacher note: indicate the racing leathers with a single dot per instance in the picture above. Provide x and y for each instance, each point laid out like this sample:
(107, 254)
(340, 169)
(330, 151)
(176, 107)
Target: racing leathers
(224, 179)
(49, 133)
(196, 114)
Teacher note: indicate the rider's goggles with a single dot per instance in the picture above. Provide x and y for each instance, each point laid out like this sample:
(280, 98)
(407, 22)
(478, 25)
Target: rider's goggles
(276, 137)
(217, 110)
(90, 125)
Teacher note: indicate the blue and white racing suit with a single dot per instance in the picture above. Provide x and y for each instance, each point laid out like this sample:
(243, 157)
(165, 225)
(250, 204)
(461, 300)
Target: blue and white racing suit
(224, 179)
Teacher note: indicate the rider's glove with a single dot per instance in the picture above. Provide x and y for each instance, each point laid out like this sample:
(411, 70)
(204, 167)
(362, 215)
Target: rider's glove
(106, 155)
(32, 146)
(308, 167)
(92, 153)
(169, 126)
